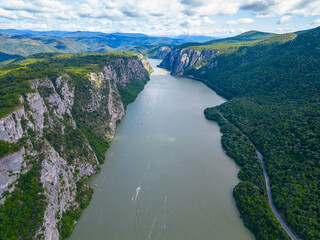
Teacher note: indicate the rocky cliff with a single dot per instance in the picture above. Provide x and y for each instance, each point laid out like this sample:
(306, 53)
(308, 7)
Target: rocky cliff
(63, 127)
(180, 59)
(162, 52)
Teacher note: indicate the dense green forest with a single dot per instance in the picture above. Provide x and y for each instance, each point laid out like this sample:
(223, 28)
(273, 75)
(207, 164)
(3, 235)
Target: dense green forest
(6, 57)
(250, 194)
(274, 87)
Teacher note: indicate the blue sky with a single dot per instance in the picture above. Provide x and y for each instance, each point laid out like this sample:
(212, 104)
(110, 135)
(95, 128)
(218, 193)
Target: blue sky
(161, 17)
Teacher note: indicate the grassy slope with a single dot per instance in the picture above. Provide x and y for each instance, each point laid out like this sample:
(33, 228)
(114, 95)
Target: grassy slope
(274, 84)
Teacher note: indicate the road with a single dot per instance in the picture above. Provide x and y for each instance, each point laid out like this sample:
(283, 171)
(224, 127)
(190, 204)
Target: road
(273, 207)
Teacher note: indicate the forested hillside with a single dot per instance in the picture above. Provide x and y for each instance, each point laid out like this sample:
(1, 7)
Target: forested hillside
(274, 91)
(16, 43)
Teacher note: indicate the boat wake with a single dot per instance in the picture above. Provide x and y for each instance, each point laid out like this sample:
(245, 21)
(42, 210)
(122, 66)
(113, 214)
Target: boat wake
(135, 196)
(135, 200)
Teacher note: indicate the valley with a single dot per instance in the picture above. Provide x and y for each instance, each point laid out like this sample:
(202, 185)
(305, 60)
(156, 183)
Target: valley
(185, 162)
(166, 146)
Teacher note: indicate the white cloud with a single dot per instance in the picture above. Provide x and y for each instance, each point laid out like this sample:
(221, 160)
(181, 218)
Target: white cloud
(207, 20)
(209, 7)
(284, 19)
(148, 16)
(34, 6)
(281, 7)
(194, 22)
(316, 22)
(7, 14)
(241, 20)
(191, 23)
(265, 16)
(232, 22)
(245, 20)
(282, 30)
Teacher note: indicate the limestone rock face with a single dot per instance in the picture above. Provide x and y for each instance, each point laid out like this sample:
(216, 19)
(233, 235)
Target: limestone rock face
(37, 110)
(10, 168)
(180, 59)
(57, 178)
(122, 71)
(163, 51)
(48, 113)
(10, 127)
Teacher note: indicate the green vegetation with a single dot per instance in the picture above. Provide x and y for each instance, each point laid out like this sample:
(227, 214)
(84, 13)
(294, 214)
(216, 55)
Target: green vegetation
(256, 213)
(23, 211)
(229, 46)
(24, 46)
(274, 87)
(5, 57)
(66, 224)
(131, 90)
(8, 148)
(73, 141)
(14, 77)
(251, 196)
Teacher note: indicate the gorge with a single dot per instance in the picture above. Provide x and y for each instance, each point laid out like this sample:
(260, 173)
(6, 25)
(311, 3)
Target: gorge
(167, 147)
(169, 171)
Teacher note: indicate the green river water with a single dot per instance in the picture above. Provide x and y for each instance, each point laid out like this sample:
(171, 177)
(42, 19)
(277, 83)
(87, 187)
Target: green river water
(166, 146)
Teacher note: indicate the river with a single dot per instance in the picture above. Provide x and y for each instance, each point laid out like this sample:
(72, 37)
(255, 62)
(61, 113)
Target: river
(166, 146)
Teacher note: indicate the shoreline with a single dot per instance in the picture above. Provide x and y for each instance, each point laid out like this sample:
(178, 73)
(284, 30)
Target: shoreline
(280, 218)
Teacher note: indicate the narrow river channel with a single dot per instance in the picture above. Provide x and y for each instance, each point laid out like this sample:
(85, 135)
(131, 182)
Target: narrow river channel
(167, 147)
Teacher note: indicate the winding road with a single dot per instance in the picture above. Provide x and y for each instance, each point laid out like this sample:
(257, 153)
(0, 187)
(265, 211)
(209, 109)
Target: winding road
(273, 207)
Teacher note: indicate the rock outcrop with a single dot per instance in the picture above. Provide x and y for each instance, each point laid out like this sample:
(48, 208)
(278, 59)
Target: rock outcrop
(180, 59)
(57, 113)
(163, 51)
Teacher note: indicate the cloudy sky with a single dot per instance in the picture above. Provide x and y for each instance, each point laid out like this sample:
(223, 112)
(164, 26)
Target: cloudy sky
(161, 17)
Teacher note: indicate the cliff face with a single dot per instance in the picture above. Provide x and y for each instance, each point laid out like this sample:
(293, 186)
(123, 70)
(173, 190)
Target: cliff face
(163, 51)
(180, 59)
(59, 125)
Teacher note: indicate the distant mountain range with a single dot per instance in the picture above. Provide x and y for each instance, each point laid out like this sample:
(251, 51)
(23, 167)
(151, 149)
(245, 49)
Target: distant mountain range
(15, 43)
(196, 38)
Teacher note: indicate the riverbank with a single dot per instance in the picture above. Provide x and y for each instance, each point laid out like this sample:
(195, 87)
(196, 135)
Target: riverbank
(263, 197)
(278, 215)
(250, 194)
